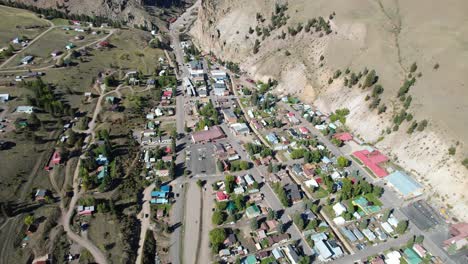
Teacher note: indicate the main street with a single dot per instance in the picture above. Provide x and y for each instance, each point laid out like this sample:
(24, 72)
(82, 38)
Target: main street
(177, 217)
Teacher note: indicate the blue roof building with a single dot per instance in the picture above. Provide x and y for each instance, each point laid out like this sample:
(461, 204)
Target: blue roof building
(158, 194)
(404, 184)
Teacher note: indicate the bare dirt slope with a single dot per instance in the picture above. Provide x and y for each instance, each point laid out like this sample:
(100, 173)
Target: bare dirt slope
(385, 35)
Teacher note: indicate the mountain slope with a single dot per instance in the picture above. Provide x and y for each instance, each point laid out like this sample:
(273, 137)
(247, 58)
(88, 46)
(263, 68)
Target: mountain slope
(386, 35)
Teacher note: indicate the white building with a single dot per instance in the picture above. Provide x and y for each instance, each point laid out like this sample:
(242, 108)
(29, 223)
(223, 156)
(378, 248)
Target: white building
(25, 109)
(4, 97)
(339, 209)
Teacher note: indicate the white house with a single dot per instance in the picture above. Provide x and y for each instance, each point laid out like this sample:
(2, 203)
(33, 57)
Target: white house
(339, 209)
(4, 97)
(25, 109)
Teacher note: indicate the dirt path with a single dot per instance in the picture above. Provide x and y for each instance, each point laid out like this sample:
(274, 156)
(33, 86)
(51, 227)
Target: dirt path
(68, 213)
(145, 218)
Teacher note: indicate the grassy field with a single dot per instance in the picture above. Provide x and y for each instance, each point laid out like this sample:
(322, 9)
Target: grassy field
(56, 39)
(125, 55)
(105, 233)
(15, 23)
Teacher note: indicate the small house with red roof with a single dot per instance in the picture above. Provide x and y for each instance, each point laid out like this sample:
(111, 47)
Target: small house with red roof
(304, 130)
(103, 44)
(167, 95)
(344, 136)
(459, 239)
(221, 196)
(55, 159)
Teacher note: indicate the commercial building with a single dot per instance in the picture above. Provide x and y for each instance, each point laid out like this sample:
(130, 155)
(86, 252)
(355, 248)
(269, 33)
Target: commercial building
(211, 134)
(404, 184)
(373, 160)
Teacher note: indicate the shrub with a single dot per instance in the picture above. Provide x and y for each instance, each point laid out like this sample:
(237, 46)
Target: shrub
(413, 67)
(452, 150)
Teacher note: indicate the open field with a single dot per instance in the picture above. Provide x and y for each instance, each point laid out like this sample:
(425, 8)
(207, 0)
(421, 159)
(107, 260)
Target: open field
(125, 55)
(56, 39)
(17, 22)
(104, 231)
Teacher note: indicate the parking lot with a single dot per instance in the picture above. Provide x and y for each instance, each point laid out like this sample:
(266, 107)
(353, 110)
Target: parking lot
(422, 215)
(200, 159)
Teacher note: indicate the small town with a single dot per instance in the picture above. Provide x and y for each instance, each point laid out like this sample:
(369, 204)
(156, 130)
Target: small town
(158, 152)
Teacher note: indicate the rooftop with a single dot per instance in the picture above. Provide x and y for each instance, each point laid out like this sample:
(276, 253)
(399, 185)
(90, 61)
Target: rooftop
(404, 184)
(372, 160)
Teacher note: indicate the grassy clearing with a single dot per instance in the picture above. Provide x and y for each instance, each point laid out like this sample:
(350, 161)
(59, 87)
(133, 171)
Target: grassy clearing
(60, 22)
(105, 233)
(119, 58)
(55, 39)
(15, 22)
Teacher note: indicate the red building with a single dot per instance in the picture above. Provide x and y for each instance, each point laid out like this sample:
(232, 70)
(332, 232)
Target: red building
(55, 159)
(373, 160)
(345, 136)
(221, 196)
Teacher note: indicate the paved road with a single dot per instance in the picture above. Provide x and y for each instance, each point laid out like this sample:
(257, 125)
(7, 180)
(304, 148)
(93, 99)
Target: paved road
(178, 210)
(145, 218)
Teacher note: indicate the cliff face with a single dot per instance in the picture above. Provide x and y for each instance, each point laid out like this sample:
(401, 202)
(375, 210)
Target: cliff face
(388, 36)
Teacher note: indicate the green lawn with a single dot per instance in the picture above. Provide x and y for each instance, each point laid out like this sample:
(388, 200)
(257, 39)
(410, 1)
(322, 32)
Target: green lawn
(320, 193)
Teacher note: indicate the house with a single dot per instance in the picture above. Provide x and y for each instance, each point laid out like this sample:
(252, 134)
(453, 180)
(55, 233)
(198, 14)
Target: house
(220, 89)
(56, 53)
(103, 44)
(345, 136)
(221, 196)
(373, 160)
(17, 40)
(79, 37)
(240, 129)
(297, 169)
(85, 210)
(277, 253)
(387, 228)
(271, 137)
(4, 98)
(348, 234)
(167, 94)
(252, 211)
(162, 173)
(459, 239)
(224, 253)
(218, 75)
(420, 250)
(392, 257)
(308, 215)
(251, 259)
(358, 234)
(339, 209)
(27, 59)
(70, 46)
(102, 160)
(365, 206)
(249, 179)
(102, 172)
(55, 159)
(369, 234)
(293, 192)
(411, 257)
(304, 130)
(211, 134)
(40, 195)
(196, 68)
(291, 254)
(202, 91)
(230, 241)
(229, 115)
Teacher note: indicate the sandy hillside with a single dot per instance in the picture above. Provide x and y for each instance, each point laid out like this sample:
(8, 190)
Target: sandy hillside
(386, 35)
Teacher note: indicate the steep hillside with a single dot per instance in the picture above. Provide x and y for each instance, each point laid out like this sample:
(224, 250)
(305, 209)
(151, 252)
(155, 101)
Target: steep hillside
(133, 12)
(387, 36)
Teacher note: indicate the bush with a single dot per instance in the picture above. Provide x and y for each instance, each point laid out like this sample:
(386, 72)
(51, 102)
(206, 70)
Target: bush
(452, 150)
(422, 125)
(256, 46)
(218, 217)
(217, 237)
(413, 67)
(465, 163)
(402, 227)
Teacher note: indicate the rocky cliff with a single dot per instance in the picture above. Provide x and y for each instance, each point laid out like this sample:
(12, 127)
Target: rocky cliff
(324, 51)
